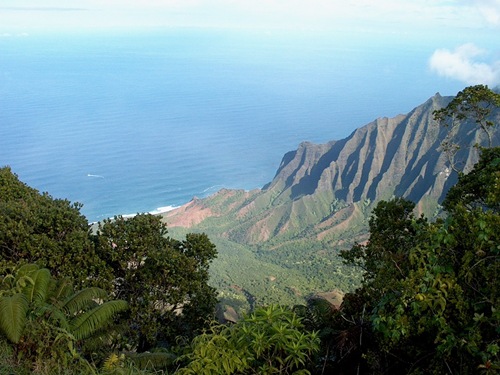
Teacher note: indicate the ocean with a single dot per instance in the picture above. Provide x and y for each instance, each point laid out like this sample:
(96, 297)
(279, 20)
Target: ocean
(140, 122)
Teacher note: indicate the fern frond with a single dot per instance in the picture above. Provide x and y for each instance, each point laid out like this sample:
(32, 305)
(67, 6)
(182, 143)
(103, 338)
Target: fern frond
(13, 316)
(38, 290)
(26, 270)
(62, 290)
(83, 300)
(112, 362)
(92, 321)
(53, 314)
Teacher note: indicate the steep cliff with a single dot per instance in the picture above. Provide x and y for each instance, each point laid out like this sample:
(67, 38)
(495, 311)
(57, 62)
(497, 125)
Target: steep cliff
(323, 190)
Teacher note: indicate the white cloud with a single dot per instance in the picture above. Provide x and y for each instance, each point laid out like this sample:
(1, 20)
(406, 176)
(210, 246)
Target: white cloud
(490, 9)
(462, 64)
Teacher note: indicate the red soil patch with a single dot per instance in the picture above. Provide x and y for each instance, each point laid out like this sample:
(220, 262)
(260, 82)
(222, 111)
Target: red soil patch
(188, 215)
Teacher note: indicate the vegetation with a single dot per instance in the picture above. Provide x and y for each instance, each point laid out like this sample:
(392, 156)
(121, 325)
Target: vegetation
(52, 233)
(163, 280)
(271, 340)
(430, 293)
(428, 300)
(44, 242)
(50, 327)
(472, 106)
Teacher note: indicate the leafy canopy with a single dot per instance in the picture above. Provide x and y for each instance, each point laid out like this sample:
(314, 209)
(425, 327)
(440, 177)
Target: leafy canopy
(165, 281)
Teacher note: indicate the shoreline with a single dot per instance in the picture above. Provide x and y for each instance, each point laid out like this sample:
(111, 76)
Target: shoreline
(157, 211)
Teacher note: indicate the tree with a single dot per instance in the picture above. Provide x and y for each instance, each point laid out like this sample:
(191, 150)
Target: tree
(431, 290)
(480, 188)
(446, 312)
(321, 316)
(384, 258)
(35, 228)
(165, 281)
(474, 104)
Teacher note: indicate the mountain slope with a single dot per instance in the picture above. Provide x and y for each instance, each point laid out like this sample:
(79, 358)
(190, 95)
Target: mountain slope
(323, 194)
(319, 187)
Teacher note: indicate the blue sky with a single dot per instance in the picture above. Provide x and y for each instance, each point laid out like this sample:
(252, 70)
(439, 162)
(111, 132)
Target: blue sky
(475, 24)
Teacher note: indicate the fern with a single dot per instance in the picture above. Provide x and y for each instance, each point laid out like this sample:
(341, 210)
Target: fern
(26, 270)
(13, 316)
(38, 290)
(53, 314)
(92, 321)
(112, 363)
(62, 290)
(83, 299)
(99, 344)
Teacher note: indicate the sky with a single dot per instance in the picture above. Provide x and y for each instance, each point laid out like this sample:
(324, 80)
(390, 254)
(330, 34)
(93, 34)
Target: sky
(475, 24)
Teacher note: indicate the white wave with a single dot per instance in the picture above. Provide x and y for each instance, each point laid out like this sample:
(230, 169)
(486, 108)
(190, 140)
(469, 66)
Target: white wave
(163, 209)
(94, 175)
(159, 210)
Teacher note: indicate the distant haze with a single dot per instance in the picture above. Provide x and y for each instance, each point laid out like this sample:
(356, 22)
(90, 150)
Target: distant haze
(469, 53)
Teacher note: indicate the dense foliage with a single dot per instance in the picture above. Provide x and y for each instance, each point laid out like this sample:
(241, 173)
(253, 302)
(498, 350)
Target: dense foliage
(433, 300)
(430, 297)
(164, 282)
(269, 341)
(50, 327)
(52, 233)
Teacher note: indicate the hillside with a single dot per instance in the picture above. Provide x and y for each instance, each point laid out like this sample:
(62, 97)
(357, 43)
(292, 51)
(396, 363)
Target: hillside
(319, 202)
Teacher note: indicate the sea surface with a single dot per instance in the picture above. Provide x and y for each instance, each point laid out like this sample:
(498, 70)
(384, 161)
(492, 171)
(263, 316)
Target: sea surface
(142, 122)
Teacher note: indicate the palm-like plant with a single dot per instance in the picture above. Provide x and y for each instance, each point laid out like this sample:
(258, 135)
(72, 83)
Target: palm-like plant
(39, 313)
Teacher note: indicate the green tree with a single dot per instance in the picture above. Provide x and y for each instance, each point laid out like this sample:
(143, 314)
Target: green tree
(271, 340)
(480, 188)
(384, 258)
(474, 106)
(165, 281)
(320, 316)
(446, 312)
(35, 228)
(431, 291)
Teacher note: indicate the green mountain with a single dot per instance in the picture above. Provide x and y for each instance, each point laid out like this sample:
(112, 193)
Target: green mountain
(280, 243)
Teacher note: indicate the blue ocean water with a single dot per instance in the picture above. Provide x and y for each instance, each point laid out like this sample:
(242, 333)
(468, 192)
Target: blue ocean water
(131, 123)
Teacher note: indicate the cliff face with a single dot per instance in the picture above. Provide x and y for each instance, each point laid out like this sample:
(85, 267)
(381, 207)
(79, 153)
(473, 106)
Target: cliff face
(397, 156)
(327, 190)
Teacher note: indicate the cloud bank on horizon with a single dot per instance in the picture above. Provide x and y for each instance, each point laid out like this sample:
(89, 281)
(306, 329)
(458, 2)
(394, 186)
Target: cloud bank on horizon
(421, 18)
(397, 15)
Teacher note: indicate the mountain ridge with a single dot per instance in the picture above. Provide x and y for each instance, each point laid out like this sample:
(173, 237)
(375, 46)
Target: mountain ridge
(387, 157)
(280, 243)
